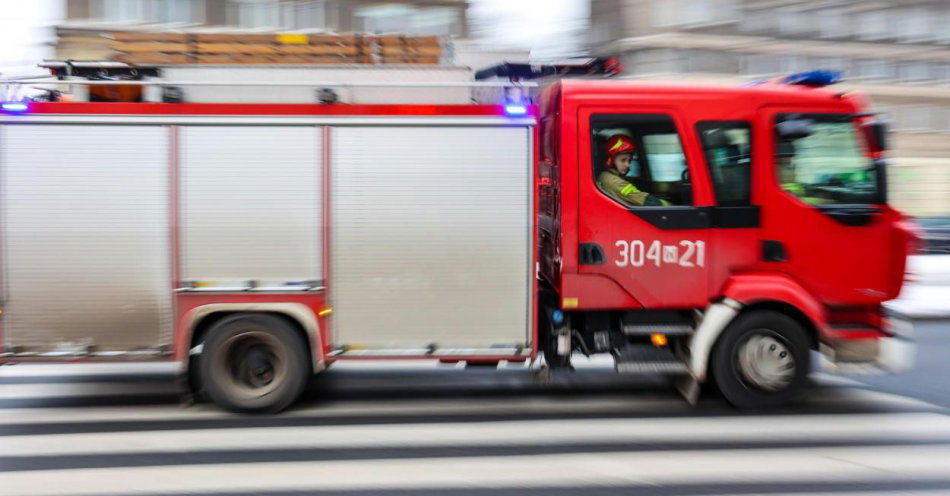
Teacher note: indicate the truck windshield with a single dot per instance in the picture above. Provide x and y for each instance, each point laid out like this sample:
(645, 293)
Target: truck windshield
(829, 166)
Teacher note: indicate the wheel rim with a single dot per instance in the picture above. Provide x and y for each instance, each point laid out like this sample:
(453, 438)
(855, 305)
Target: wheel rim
(252, 364)
(765, 362)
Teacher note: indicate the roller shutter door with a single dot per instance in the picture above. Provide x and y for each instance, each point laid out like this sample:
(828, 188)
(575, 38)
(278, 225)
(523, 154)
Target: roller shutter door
(430, 236)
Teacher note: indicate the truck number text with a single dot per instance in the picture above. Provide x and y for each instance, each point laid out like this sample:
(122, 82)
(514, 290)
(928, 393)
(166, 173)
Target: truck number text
(636, 253)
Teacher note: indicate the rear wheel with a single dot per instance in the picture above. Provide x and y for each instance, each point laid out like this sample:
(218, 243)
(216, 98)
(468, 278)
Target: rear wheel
(762, 360)
(254, 363)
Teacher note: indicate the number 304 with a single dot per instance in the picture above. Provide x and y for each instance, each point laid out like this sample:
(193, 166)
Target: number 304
(686, 253)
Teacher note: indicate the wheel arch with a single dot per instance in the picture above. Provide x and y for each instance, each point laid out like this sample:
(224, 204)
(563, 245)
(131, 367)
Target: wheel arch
(198, 321)
(749, 292)
(780, 293)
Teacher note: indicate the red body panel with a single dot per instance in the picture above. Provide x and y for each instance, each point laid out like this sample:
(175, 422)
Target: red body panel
(263, 109)
(828, 264)
(841, 265)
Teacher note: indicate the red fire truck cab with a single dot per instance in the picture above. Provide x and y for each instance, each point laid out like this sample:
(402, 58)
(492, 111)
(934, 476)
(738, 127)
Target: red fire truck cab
(256, 244)
(772, 236)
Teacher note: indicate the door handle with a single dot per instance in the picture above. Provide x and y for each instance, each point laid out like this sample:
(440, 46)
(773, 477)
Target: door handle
(855, 215)
(592, 254)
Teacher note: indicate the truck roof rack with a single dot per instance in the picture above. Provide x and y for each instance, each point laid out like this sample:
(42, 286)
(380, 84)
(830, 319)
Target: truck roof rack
(598, 66)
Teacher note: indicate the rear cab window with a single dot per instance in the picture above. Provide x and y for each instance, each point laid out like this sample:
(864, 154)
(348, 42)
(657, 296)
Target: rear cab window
(728, 153)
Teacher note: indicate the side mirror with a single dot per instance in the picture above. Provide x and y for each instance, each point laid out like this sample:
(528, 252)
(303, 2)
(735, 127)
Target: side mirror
(794, 129)
(877, 132)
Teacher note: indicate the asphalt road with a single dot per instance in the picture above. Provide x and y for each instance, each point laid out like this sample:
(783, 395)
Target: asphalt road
(929, 380)
(414, 429)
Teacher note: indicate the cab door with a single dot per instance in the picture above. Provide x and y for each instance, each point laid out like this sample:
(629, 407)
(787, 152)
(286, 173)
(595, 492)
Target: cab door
(659, 255)
(824, 220)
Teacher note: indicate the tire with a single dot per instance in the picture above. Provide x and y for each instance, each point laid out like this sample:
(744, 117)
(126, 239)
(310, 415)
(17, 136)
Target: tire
(762, 360)
(254, 363)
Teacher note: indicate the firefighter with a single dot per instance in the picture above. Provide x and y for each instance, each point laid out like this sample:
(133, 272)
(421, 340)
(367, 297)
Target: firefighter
(613, 181)
(787, 176)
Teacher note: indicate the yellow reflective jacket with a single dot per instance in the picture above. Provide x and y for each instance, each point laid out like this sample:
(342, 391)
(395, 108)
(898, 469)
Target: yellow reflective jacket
(623, 191)
(799, 191)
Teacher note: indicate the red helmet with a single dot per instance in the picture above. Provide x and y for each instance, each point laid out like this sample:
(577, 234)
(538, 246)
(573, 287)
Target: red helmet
(618, 144)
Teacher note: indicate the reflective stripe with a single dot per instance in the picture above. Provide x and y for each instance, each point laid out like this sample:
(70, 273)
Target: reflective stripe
(627, 189)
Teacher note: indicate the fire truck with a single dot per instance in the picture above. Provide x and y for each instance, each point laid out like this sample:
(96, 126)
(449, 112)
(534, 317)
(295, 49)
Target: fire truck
(257, 244)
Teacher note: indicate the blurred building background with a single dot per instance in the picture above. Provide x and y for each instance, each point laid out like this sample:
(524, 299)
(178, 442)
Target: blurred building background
(80, 37)
(897, 52)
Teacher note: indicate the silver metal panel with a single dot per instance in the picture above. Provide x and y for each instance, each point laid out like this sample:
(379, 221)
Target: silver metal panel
(346, 81)
(85, 232)
(430, 236)
(251, 203)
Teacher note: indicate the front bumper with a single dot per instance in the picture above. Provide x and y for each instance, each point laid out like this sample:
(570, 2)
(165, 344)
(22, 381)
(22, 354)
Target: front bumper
(889, 354)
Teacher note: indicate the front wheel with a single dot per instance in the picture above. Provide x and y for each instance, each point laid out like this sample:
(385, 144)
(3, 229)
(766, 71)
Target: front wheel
(761, 360)
(254, 363)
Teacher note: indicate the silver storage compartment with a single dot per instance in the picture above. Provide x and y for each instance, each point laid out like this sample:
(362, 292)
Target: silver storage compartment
(251, 204)
(85, 237)
(430, 237)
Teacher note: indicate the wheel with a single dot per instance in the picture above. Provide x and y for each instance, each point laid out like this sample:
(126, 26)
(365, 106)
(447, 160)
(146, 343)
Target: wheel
(254, 363)
(761, 360)
(547, 334)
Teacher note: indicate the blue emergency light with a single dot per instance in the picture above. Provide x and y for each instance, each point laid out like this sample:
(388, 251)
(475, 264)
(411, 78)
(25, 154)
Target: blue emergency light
(815, 79)
(14, 107)
(516, 109)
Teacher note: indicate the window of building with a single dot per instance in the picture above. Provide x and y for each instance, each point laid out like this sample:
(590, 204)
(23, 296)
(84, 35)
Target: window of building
(832, 24)
(942, 23)
(942, 73)
(178, 11)
(758, 21)
(915, 25)
(728, 152)
(914, 71)
(872, 25)
(664, 13)
(696, 11)
(941, 119)
(442, 21)
(795, 22)
(303, 14)
(254, 14)
(119, 10)
(638, 160)
(873, 69)
(408, 19)
(761, 64)
(161, 11)
(686, 12)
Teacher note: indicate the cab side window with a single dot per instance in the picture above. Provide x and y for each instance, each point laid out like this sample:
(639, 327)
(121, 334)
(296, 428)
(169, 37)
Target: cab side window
(728, 152)
(638, 160)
